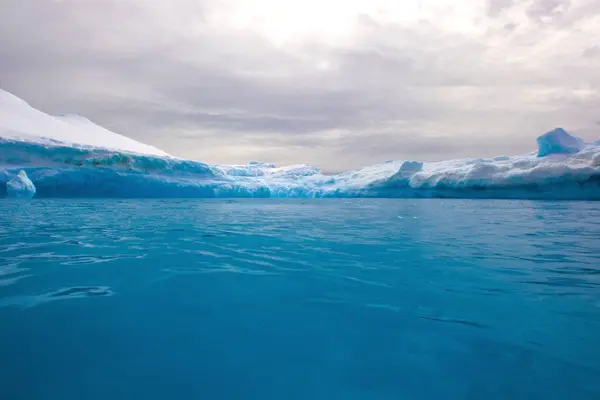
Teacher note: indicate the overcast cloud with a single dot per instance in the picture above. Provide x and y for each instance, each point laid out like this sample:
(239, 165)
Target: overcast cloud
(336, 83)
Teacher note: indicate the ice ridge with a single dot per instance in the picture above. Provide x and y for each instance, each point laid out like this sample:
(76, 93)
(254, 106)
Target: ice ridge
(70, 156)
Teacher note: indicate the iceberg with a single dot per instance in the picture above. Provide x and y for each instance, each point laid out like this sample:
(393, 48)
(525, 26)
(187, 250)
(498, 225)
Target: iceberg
(70, 156)
(20, 186)
(19, 121)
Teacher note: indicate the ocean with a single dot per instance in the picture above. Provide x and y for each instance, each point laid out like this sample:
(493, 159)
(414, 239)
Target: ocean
(299, 299)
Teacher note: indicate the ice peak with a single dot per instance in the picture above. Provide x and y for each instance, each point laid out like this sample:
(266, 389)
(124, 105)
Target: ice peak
(558, 141)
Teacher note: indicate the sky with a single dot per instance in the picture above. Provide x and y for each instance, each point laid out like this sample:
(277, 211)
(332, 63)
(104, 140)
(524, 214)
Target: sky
(336, 83)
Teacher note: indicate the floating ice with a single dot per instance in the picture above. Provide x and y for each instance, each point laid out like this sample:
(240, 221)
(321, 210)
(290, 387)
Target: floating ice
(20, 186)
(72, 157)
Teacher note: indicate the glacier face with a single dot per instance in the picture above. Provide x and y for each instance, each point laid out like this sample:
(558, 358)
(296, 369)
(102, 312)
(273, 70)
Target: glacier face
(69, 156)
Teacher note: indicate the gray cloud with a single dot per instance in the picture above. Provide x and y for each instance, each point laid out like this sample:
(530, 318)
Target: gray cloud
(495, 7)
(167, 74)
(592, 52)
(547, 8)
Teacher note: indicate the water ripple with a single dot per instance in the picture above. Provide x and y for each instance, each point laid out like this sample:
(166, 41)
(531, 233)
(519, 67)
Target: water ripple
(477, 279)
(79, 292)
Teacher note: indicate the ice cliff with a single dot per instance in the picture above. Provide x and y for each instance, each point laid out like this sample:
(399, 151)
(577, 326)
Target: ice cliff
(70, 156)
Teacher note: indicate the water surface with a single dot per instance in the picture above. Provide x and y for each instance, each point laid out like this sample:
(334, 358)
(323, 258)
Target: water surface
(299, 299)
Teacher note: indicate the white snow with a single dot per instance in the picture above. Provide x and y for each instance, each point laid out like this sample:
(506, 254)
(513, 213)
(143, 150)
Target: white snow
(71, 156)
(20, 186)
(20, 121)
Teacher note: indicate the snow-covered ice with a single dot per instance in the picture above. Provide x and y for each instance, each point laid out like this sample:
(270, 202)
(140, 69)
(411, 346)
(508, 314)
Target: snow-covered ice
(20, 121)
(71, 156)
(20, 186)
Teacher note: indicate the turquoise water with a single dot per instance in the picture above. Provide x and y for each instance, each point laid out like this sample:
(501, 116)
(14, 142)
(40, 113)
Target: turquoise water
(313, 299)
